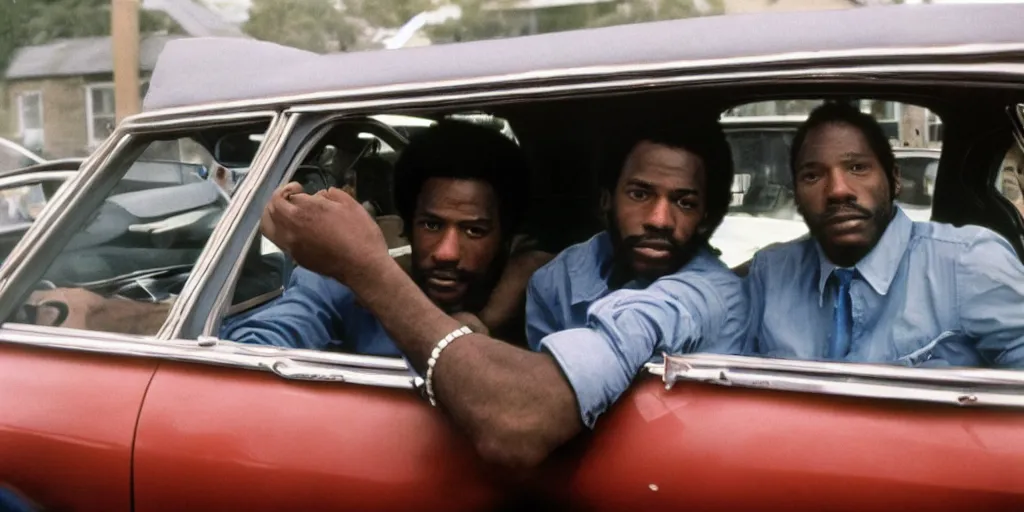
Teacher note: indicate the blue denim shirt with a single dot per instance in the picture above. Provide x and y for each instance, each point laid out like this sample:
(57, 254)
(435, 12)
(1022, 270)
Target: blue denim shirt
(315, 312)
(602, 338)
(928, 294)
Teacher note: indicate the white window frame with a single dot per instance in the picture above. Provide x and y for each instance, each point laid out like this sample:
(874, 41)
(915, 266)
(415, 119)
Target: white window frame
(89, 118)
(21, 112)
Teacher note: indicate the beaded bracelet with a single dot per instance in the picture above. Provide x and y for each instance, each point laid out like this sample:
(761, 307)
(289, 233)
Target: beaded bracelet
(436, 353)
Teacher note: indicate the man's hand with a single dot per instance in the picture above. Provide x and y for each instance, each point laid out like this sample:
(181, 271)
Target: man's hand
(328, 233)
(509, 296)
(470, 320)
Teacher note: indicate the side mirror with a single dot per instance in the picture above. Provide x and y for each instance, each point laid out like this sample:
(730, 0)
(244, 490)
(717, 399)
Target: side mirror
(237, 149)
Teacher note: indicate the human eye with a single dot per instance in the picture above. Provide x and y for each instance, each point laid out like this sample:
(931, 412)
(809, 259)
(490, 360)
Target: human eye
(430, 225)
(688, 204)
(637, 194)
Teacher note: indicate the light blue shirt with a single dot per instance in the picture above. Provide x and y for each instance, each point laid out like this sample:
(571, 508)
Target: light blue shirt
(928, 294)
(317, 313)
(601, 339)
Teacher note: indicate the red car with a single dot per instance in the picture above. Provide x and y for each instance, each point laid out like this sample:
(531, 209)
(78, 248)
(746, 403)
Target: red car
(152, 412)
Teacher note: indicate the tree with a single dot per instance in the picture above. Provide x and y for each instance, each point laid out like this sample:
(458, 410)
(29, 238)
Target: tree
(486, 19)
(314, 25)
(25, 23)
(387, 13)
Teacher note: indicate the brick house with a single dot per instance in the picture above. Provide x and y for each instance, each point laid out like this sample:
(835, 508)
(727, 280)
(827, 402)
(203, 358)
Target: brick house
(58, 98)
(61, 94)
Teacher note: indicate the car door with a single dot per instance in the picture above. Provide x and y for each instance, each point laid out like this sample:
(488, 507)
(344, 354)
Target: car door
(68, 417)
(260, 428)
(124, 232)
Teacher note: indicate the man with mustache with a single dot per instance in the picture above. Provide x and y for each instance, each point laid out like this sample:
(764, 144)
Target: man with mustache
(461, 190)
(666, 189)
(870, 285)
(518, 405)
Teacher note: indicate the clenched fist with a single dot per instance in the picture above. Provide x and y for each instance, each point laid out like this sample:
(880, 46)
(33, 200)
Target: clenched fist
(329, 233)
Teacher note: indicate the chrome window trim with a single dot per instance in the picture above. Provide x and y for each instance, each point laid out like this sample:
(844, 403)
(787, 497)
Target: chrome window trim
(1017, 126)
(57, 213)
(805, 59)
(65, 206)
(895, 74)
(274, 140)
(976, 387)
(221, 302)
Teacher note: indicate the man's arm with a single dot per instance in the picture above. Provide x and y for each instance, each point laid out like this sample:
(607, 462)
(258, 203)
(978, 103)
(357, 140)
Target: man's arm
(506, 301)
(306, 316)
(753, 287)
(516, 405)
(540, 319)
(990, 289)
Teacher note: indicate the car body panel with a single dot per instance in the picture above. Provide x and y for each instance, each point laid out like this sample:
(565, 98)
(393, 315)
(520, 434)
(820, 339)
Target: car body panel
(67, 424)
(708, 448)
(229, 438)
(232, 439)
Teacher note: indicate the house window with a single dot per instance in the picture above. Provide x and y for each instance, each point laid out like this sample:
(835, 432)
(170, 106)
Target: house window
(100, 112)
(30, 119)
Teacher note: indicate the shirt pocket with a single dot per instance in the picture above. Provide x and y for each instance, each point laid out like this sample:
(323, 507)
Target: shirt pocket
(949, 348)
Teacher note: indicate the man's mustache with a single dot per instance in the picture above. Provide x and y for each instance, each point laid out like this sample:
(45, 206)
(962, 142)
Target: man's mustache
(846, 209)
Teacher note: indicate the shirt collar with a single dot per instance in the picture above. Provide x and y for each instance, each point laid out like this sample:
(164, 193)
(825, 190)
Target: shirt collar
(590, 269)
(879, 267)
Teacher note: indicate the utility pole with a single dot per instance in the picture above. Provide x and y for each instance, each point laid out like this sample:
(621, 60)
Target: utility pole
(124, 25)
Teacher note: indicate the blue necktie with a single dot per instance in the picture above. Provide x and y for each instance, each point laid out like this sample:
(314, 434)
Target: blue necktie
(842, 316)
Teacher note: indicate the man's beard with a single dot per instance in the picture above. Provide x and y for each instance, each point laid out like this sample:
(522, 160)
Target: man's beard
(623, 269)
(479, 285)
(848, 255)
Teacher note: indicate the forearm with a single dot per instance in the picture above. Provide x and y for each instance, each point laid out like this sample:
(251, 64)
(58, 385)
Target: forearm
(515, 404)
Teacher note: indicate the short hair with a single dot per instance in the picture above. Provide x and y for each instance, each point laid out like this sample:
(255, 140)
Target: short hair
(466, 151)
(706, 139)
(845, 113)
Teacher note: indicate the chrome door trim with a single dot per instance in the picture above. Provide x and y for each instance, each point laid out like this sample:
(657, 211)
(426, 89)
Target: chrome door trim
(273, 141)
(804, 59)
(950, 386)
(290, 364)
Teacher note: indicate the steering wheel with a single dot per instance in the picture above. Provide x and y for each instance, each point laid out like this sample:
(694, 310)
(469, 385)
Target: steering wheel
(29, 313)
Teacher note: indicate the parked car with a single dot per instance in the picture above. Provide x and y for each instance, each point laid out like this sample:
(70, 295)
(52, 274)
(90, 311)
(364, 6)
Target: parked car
(104, 419)
(918, 169)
